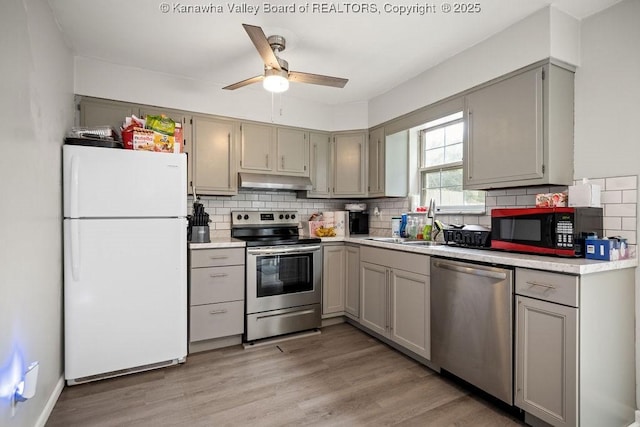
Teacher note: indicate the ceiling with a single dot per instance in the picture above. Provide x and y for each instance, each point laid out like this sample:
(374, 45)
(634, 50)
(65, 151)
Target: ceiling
(375, 51)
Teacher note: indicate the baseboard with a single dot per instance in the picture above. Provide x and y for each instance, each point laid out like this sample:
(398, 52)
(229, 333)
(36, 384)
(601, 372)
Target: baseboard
(637, 421)
(51, 403)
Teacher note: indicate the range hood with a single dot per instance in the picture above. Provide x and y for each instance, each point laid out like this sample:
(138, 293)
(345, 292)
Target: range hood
(273, 182)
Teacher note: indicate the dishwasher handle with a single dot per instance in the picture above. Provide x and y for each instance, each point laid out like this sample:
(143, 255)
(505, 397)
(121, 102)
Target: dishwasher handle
(476, 270)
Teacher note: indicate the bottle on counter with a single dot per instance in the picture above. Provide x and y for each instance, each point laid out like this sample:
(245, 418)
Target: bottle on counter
(419, 233)
(403, 225)
(412, 228)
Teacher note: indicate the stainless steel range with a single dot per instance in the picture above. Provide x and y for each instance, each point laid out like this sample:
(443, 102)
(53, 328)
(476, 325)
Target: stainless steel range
(283, 274)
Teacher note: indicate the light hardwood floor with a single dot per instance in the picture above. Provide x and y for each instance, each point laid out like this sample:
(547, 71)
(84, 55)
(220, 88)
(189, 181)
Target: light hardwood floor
(342, 377)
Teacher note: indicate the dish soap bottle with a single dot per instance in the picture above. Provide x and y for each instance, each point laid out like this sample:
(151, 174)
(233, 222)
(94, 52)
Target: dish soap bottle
(403, 225)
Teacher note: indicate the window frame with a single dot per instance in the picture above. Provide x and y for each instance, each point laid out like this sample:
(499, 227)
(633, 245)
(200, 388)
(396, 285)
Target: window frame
(456, 165)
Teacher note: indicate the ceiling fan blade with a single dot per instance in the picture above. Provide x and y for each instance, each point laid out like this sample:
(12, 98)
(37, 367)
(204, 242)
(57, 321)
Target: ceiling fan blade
(262, 44)
(243, 83)
(316, 79)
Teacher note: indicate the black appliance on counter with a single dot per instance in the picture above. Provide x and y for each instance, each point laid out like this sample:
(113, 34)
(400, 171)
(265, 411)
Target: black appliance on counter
(198, 224)
(470, 236)
(358, 222)
(559, 231)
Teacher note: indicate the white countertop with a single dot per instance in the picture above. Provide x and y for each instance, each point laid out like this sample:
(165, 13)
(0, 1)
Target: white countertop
(547, 263)
(222, 242)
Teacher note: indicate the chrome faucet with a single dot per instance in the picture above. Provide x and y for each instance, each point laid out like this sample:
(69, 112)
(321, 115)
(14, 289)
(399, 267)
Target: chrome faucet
(432, 215)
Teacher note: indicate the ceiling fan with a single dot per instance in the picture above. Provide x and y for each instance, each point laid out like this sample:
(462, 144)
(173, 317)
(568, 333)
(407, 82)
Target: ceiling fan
(277, 75)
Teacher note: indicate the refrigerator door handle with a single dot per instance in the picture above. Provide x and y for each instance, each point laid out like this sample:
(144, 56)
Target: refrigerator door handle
(75, 251)
(74, 185)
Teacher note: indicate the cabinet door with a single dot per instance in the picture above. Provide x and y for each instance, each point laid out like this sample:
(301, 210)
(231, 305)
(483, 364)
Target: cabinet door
(213, 157)
(352, 293)
(373, 297)
(178, 117)
(410, 308)
(292, 149)
(256, 148)
(333, 279)
(349, 157)
(320, 168)
(546, 360)
(99, 112)
(376, 174)
(504, 135)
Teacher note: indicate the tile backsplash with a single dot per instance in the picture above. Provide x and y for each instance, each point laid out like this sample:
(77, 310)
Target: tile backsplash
(619, 200)
(219, 208)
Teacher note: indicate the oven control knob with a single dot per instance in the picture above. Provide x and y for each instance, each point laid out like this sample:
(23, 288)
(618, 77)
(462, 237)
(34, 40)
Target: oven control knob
(246, 217)
(286, 216)
(281, 216)
(293, 216)
(239, 217)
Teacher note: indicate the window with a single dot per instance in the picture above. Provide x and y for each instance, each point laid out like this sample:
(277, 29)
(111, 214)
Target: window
(441, 167)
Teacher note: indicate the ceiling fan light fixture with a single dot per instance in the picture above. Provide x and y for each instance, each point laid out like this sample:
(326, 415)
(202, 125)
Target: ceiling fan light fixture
(275, 81)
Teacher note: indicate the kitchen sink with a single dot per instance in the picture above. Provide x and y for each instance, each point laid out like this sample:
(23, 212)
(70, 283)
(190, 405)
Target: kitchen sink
(403, 241)
(421, 243)
(387, 239)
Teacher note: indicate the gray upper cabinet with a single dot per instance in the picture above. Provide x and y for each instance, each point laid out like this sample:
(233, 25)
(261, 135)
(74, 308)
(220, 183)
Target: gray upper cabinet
(320, 165)
(376, 171)
(388, 168)
(256, 148)
(349, 164)
(520, 130)
(214, 170)
(292, 151)
(99, 112)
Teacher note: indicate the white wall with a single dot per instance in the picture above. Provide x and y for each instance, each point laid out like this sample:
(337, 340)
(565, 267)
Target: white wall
(546, 33)
(112, 81)
(36, 107)
(607, 105)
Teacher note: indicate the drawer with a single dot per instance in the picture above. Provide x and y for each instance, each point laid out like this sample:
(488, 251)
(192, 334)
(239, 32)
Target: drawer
(217, 284)
(217, 320)
(415, 263)
(553, 287)
(216, 257)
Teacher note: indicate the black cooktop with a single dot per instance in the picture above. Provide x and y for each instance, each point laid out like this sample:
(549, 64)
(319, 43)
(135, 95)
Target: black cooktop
(253, 242)
(272, 228)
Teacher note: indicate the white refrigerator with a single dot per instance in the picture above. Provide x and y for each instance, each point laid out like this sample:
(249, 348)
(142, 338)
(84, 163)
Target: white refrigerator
(125, 261)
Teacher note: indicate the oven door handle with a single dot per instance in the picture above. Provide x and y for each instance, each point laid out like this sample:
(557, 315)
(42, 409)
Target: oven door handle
(283, 250)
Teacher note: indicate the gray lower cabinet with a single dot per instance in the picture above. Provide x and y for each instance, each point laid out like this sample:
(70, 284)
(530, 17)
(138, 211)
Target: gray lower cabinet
(333, 280)
(340, 280)
(395, 297)
(575, 347)
(352, 293)
(216, 289)
(547, 364)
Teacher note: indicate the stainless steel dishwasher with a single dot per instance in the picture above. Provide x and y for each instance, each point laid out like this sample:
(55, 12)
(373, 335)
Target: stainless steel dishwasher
(472, 324)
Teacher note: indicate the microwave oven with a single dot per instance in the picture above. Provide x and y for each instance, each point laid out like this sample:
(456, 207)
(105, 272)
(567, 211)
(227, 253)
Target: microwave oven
(358, 223)
(545, 231)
